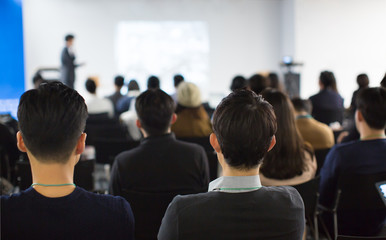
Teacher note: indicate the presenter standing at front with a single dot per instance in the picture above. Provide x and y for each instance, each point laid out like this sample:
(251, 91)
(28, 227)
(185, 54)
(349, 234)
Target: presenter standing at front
(67, 71)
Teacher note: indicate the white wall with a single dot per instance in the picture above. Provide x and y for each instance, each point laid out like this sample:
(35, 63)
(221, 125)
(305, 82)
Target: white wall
(244, 34)
(347, 37)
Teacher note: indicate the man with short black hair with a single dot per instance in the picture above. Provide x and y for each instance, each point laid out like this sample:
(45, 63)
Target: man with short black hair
(153, 82)
(95, 104)
(118, 84)
(51, 121)
(237, 206)
(364, 156)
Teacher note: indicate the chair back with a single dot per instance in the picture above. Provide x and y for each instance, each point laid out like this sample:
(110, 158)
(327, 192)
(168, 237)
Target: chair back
(148, 209)
(210, 153)
(309, 193)
(107, 149)
(84, 174)
(320, 156)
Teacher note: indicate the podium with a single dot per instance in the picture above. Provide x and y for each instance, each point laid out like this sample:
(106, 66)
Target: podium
(291, 79)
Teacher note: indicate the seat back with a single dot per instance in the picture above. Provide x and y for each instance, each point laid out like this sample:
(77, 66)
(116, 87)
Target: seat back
(148, 209)
(309, 193)
(320, 156)
(210, 153)
(107, 149)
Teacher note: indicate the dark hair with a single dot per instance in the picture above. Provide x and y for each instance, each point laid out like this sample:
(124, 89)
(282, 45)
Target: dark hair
(155, 109)
(119, 80)
(244, 124)
(273, 80)
(363, 80)
(90, 85)
(51, 119)
(371, 103)
(69, 37)
(178, 79)
(238, 82)
(302, 105)
(133, 85)
(328, 80)
(286, 159)
(153, 83)
(258, 83)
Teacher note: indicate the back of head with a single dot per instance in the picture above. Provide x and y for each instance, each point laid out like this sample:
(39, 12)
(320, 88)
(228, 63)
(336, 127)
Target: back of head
(244, 124)
(363, 80)
(258, 83)
(153, 83)
(327, 78)
(155, 109)
(133, 85)
(371, 102)
(273, 80)
(118, 81)
(188, 95)
(37, 79)
(302, 105)
(69, 37)
(177, 79)
(90, 86)
(51, 119)
(285, 160)
(238, 82)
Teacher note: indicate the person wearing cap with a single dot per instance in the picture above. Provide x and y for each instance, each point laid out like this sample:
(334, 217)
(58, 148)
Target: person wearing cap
(193, 120)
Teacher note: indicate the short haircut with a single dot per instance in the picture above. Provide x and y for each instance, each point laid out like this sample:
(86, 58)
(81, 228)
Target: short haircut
(90, 86)
(37, 78)
(69, 37)
(51, 120)
(327, 78)
(155, 109)
(273, 80)
(133, 85)
(178, 79)
(244, 124)
(371, 103)
(363, 80)
(153, 83)
(258, 83)
(238, 82)
(119, 80)
(302, 105)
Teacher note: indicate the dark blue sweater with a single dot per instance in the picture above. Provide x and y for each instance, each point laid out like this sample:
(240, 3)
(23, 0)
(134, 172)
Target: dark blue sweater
(80, 215)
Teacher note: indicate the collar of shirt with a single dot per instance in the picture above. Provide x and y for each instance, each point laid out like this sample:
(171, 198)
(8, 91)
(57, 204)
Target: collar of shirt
(235, 184)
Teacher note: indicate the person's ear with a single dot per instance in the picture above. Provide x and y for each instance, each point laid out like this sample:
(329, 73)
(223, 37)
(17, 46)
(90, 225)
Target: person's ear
(174, 119)
(272, 144)
(81, 144)
(138, 123)
(20, 142)
(358, 115)
(214, 142)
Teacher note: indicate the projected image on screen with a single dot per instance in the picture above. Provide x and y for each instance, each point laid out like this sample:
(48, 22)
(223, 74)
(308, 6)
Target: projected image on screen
(163, 49)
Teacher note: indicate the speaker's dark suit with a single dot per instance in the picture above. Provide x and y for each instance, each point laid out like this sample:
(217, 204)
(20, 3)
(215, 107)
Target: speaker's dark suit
(67, 71)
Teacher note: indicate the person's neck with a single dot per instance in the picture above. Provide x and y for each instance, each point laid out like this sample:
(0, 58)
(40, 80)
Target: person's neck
(229, 171)
(301, 113)
(371, 134)
(52, 174)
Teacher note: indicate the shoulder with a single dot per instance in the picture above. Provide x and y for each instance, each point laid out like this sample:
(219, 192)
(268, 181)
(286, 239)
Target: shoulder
(189, 146)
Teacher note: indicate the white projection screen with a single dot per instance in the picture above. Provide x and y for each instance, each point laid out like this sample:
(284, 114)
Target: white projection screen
(163, 48)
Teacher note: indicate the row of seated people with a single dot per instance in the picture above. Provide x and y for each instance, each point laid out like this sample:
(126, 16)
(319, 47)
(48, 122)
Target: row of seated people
(276, 170)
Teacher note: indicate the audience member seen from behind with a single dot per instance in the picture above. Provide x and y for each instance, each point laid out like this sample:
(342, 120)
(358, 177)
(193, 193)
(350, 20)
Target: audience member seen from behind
(37, 80)
(160, 164)
(318, 134)
(327, 105)
(364, 156)
(238, 82)
(292, 161)
(193, 120)
(51, 120)
(153, 82)
(236, 205)
(129, 117)
(258, 83)
(363, 82)
(177, 79)
(126, 103)
(383, 82)
(95, 104)
(118, 84)
(274, 81)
